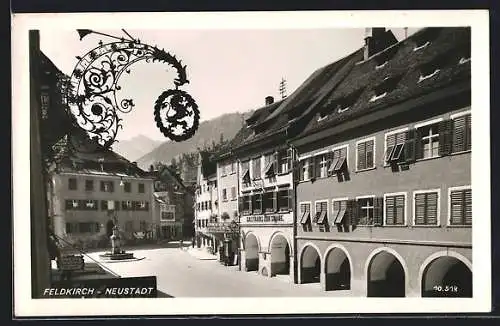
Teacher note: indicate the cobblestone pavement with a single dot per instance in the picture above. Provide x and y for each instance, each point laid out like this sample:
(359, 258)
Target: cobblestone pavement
(182, 274)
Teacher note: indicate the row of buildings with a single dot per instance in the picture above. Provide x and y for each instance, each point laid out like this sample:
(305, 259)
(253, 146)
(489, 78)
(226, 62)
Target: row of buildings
(359, 180)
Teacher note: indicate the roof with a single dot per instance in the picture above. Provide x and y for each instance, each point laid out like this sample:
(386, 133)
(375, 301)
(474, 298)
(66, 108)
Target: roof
(208, 165)
(99, 162)
(403, 68)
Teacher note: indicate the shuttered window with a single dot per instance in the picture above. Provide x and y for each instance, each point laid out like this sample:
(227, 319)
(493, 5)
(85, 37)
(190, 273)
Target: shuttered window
(426, 208)
(257, 204)
(365, 155)
(320, 216)
(305, 217)
(395, 210)
(339, 209)
(461, 207)
(339, 161)
(394, 144)
(462, 134)
(366, 211)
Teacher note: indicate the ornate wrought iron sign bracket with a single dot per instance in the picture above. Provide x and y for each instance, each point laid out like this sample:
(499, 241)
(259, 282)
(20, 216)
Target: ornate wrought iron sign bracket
(92, 93)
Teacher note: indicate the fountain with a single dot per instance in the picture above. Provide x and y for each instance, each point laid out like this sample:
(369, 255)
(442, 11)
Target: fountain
(116, 252)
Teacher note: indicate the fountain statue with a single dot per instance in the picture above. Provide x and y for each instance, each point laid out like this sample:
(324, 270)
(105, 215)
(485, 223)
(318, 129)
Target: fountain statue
(116, 252)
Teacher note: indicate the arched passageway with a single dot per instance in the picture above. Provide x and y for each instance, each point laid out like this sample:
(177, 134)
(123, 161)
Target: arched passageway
(251, 253)
(337, 270)
(386, 276)
(310, 266)
(447, 276)
(280, 255)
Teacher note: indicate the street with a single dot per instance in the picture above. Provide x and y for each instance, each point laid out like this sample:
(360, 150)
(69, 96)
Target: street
(180, 274)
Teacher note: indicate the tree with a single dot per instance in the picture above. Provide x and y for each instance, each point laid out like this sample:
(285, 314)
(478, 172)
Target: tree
(221, 140)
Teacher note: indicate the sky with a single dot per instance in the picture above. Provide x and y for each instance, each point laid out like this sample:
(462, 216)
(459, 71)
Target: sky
(229, 70)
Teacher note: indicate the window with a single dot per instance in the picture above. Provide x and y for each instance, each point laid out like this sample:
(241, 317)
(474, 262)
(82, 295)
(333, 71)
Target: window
(321, 164)
(143, 226)
(245, 177)
(426, 207)
(365, 154)
(256, 168)
(321, 212)
(284, 160)
(233, 193)
(305, 216)
(224, 195)
(285, 200)
(461, 141)
(428, 138)
(460, 206)
(91, 204)
(72, 184)
(85, 227)
(127, 187)
(141, 188)
(304, 169)
(71, 228)
(384, 87)
(89, 185)
(247, 204)
(107, 186)
(339, 208)
(395, 209)
(127, 205)
(395, 144)
(257, 204)
(339, 161)
(271, 164)
(269, 202)
(223, 169)
(142, 205)
(366, 211)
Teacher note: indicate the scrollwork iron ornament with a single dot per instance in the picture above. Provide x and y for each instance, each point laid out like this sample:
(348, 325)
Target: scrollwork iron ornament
(93, 85)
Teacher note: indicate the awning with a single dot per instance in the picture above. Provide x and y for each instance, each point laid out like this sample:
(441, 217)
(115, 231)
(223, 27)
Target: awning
(305, 217)
(321, 218)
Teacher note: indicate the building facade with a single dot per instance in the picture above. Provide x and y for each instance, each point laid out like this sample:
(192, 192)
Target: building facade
(265, 199)
(89, 192)
(384, 201)
(206, 203)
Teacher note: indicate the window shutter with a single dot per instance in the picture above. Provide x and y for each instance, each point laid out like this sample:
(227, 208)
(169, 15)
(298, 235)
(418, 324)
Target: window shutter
(111, 186)
(124, 205)
(276, 162)
(275, 201)
(290, 200)
(431, 202)
(457, 207)
(445, 137)
(389, 210)
(147, 206)
(399, 203)
(353, 206)
(361, 155)
(69, 204)
(310, 167)
(102, 185)
(420, 209)
(301, 170)
(117, 205)
(419, 153)
(289, 158)
(410, 146)
(378, 211)
(370, 153)
(279, 167)
(317, 167)
(468, 133)
(468, 207)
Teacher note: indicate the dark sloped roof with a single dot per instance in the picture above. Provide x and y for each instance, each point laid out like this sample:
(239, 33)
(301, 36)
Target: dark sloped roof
(446, 47)
(208, 164)
(70, 160)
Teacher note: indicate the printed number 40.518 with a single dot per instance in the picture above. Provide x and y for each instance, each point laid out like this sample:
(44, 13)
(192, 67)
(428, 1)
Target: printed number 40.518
(445, 288)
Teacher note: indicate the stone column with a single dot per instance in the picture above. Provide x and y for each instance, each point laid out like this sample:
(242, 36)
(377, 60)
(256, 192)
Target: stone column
(292, 268)
(322, 280)
(243, 260)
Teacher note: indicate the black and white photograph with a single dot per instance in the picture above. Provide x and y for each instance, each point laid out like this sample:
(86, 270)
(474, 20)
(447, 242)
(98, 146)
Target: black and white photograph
(251, 163)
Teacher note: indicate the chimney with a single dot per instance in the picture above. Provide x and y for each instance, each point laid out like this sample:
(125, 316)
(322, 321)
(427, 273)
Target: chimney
(269, 100)
(377, 39)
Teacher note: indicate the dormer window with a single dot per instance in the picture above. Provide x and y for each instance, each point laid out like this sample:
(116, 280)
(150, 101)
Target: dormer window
(383, 58)
(464, 55)
(432, 68)
(322, 115)
(425, 37)
(386, 86)
(427, 75)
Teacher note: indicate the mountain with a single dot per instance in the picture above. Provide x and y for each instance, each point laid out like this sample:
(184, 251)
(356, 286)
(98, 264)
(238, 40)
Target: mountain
(208, 131)
(135, 147)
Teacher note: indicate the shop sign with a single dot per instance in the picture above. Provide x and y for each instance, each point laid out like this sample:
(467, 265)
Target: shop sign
(265, 218)
(221, 228)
